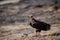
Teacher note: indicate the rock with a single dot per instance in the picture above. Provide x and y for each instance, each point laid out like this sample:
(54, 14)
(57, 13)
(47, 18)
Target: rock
(18, 12)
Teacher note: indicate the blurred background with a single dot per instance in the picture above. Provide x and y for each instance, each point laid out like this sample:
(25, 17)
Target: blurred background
(14, 16)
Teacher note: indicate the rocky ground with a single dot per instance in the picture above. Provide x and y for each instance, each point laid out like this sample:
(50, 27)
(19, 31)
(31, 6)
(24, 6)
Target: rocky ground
(14, 20)
(25, 32)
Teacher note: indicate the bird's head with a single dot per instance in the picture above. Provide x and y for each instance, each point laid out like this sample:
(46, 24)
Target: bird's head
(31, 16)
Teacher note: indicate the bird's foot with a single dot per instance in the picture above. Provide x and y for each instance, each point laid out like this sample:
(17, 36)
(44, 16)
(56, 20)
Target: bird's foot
(36, 35)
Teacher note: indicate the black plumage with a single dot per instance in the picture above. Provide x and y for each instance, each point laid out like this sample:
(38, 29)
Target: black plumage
(38, 25)
(1, 0)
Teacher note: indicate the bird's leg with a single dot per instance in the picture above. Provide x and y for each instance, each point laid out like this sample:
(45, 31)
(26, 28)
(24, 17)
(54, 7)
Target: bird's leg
(38, 33)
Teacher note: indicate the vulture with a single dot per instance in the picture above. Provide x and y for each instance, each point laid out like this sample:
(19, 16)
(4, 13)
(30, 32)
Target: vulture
(39, 25)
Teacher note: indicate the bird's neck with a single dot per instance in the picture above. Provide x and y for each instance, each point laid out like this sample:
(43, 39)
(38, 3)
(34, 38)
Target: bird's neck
(32, 21)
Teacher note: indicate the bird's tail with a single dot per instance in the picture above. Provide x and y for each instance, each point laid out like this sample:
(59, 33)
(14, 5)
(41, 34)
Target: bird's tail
(48, 27)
